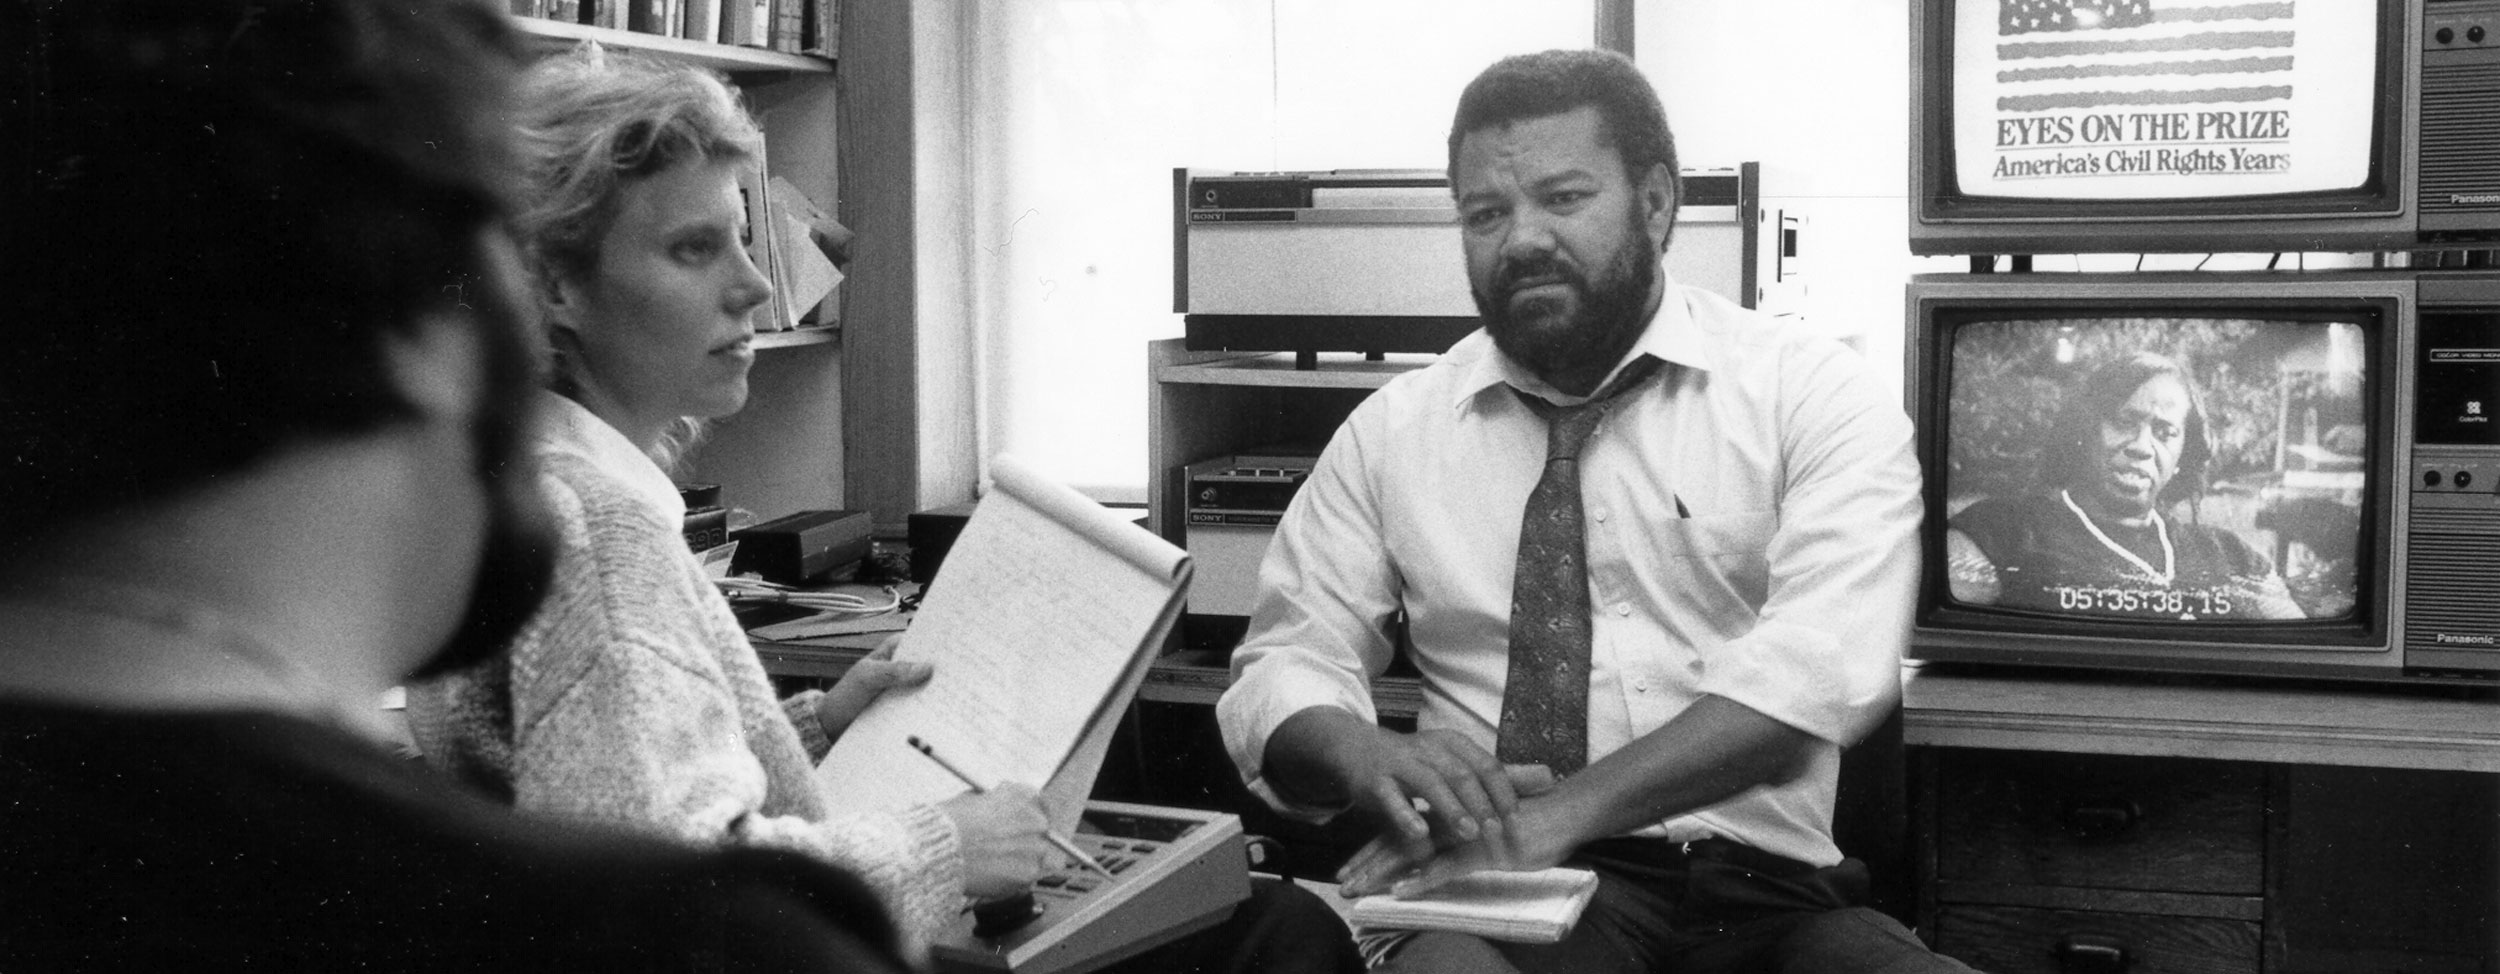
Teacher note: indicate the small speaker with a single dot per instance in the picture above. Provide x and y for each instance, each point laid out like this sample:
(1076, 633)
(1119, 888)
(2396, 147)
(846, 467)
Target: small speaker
(806, 548)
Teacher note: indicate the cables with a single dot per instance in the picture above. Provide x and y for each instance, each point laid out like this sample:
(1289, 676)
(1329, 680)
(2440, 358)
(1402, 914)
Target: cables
(758, 590)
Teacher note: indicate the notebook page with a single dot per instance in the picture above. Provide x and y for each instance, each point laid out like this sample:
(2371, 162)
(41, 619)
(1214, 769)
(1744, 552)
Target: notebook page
(1039, 617)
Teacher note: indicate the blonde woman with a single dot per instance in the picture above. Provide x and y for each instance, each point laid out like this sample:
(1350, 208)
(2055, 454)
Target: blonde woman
(633, 698)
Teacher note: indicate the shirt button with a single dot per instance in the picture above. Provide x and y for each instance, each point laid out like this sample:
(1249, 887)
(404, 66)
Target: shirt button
(1623, 608)
(1599, 514)
(1640, 686)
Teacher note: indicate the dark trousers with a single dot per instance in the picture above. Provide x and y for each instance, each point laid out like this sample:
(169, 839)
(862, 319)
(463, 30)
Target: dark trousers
(1719, 907)
(1281, 929)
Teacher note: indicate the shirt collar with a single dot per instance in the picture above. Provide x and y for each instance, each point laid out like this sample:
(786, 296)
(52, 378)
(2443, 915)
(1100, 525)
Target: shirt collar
(571, 429)
(1672, 337)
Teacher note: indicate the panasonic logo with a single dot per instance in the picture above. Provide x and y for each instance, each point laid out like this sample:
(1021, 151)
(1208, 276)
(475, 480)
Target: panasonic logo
(2470, 640)
(2473, 199)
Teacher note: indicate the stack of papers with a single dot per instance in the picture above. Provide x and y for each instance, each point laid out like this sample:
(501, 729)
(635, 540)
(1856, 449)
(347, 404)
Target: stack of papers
(1531, 907)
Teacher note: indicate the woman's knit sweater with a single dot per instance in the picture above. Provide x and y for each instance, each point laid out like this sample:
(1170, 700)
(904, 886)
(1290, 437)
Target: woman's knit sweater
(632, 698)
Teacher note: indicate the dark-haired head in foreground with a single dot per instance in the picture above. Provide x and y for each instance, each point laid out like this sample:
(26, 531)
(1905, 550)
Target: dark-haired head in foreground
(260, 420)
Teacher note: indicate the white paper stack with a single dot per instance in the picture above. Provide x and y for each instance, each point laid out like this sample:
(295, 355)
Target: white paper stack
(1526, 907)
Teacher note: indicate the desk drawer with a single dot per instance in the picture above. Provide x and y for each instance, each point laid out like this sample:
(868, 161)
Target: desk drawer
(2101, 821)
(2024, 940)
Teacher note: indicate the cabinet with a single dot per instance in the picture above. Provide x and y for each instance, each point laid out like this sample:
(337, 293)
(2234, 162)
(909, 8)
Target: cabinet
(783, 452)
(1209, 404)
(2078, 824)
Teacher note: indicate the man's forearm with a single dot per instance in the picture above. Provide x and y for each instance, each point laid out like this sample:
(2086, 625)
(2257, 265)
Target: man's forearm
(1301, 760)
(1714, 750)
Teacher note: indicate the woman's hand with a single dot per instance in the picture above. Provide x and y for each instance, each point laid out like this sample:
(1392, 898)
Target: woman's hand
(872, 676)
(1005, 840)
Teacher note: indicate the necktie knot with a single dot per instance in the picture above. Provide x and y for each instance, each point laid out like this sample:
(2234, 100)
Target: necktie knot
(1568, 427)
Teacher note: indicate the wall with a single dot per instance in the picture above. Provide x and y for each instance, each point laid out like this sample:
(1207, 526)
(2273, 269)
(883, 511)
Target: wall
(1082, 109)
(1818, 91)
(1076, 112)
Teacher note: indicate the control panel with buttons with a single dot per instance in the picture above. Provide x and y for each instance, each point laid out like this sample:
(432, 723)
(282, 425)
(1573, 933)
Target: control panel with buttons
(1173, 871)
(2459, 25)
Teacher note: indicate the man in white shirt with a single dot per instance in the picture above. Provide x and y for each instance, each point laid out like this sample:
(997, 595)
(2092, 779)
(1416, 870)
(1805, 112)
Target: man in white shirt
(1730, 590)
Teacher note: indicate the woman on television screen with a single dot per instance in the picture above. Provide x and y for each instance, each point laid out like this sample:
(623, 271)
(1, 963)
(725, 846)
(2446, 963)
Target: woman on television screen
(2094, 539)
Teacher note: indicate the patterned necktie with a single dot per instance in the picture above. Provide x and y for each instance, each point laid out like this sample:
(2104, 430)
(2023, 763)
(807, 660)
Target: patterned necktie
(1545, 699)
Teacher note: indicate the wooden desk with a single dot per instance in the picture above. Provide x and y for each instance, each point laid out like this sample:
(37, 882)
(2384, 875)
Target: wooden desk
(2204, 826)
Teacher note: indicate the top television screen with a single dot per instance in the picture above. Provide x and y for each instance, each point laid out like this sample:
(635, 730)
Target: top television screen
(2163, 99)
(2187, 469)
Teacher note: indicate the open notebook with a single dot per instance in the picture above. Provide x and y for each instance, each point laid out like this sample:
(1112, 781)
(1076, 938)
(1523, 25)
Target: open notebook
(1039, 631)
(1528, 907)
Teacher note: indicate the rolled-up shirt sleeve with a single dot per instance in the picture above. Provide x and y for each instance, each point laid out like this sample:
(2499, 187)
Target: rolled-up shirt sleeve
(1319, 630)
(1824, 656)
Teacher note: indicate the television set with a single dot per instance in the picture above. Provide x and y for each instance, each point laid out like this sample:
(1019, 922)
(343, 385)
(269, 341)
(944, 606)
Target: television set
(2183, 126)
(2230, 473)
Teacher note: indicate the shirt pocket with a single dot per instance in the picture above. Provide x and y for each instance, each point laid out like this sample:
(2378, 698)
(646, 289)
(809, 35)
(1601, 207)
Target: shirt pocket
(1716, 535)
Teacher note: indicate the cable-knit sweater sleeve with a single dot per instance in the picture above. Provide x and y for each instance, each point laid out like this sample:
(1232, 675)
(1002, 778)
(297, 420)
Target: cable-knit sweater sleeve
(635, 700)
(801, 709)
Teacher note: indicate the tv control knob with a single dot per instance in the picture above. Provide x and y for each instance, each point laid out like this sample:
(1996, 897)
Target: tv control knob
(2430, 478)
(2474, 33)
(2465, 479)
(2444, 35)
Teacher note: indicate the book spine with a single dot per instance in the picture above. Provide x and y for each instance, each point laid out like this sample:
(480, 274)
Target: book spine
(529, 8)
(567, 11)
(789, 21)
(703, 21)
(737, 19)
(824, 28)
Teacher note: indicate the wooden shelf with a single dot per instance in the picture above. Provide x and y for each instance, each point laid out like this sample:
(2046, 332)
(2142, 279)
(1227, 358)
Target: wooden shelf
(725, 58)
(1199, 677)
(1349, 371)
(797, 336)
(1184, 677)
(2360, 726)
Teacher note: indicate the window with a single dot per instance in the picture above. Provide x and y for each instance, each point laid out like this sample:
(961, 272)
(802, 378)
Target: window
(1081, 109)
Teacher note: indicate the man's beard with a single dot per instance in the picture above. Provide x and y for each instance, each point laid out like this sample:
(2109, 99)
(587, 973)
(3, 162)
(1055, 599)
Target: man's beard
(1612, 310)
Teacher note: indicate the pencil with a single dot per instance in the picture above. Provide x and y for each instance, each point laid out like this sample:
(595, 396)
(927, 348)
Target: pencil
(1055, 838)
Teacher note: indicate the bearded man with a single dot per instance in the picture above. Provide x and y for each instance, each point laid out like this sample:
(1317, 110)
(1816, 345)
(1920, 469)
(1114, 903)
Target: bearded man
(1656, 554)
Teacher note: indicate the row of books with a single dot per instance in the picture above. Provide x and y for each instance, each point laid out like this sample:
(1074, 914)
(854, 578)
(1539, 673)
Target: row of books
(792, 26)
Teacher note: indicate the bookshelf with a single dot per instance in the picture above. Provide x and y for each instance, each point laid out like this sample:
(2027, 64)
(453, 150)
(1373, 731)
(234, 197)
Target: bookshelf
(733, 60)
(814, 335)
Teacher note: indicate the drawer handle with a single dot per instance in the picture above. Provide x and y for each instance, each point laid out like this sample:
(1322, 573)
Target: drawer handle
(2091, 953)
(2100, 818)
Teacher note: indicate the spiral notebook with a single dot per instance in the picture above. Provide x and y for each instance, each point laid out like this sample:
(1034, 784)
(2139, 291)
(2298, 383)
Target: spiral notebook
(1527, 907)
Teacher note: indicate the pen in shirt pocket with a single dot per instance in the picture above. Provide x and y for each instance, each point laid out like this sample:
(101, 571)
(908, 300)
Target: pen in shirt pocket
(1680, 510)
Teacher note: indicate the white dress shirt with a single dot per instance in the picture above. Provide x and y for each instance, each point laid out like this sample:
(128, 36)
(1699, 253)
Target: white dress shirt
(1751, 521)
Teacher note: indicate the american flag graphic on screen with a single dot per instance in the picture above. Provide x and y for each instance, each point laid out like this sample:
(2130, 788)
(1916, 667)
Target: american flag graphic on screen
(2091, 54)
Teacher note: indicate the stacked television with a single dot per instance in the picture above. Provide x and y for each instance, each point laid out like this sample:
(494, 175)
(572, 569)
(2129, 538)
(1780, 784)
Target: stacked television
(2276, 472)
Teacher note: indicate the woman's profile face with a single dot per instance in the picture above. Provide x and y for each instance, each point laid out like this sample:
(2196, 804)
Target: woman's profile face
(665, 318)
